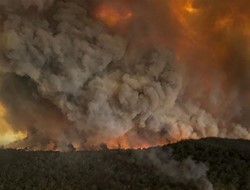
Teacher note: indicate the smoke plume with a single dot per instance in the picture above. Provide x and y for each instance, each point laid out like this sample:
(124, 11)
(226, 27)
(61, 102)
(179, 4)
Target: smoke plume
(126, 73)
(185, 171)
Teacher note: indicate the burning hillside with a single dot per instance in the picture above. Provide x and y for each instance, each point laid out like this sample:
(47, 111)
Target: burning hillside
(126, 73)
(204, 164)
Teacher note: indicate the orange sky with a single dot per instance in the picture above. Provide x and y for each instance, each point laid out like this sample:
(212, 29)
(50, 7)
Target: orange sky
(7, 135)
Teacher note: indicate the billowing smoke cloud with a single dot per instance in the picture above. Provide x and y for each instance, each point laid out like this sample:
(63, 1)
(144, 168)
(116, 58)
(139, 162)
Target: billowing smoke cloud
(67, 79)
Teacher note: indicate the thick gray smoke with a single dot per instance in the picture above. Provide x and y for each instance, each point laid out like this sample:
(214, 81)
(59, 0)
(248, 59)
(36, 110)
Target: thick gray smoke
(66, 80)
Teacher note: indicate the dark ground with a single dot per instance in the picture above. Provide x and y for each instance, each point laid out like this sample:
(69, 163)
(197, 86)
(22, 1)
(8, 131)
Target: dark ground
(228, 162)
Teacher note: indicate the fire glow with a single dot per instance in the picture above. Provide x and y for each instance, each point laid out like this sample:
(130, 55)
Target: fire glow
(204, 31)
(7, 135)
(112, 15)
(121, 88)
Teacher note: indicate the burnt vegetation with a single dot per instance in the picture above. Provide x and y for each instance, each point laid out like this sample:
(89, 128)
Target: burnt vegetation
(227, 160)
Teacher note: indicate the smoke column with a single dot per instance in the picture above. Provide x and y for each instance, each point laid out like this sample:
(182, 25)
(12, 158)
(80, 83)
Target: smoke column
(126, 73)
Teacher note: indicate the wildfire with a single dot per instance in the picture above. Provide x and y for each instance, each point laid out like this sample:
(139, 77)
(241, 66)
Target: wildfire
(190, 8)
(212, 38)
(7, 135)
(132, 140)
(124, 142)
(206, 36)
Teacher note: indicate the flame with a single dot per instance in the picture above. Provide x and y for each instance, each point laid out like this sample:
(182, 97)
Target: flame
(132, 140)
(190, 8)
(196, 31)
(7, 134)
(124, 142)
(207, 36)
(117, 143)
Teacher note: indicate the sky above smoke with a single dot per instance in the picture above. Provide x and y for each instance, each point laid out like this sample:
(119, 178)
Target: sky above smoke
(125, 73)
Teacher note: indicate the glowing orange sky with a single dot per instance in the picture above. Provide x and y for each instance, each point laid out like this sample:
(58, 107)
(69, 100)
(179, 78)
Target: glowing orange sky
(207, 35)
(7, 135)
(211, 36)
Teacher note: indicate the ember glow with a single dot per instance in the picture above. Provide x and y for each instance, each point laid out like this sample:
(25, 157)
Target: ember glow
(113, 15)
(127, 73)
